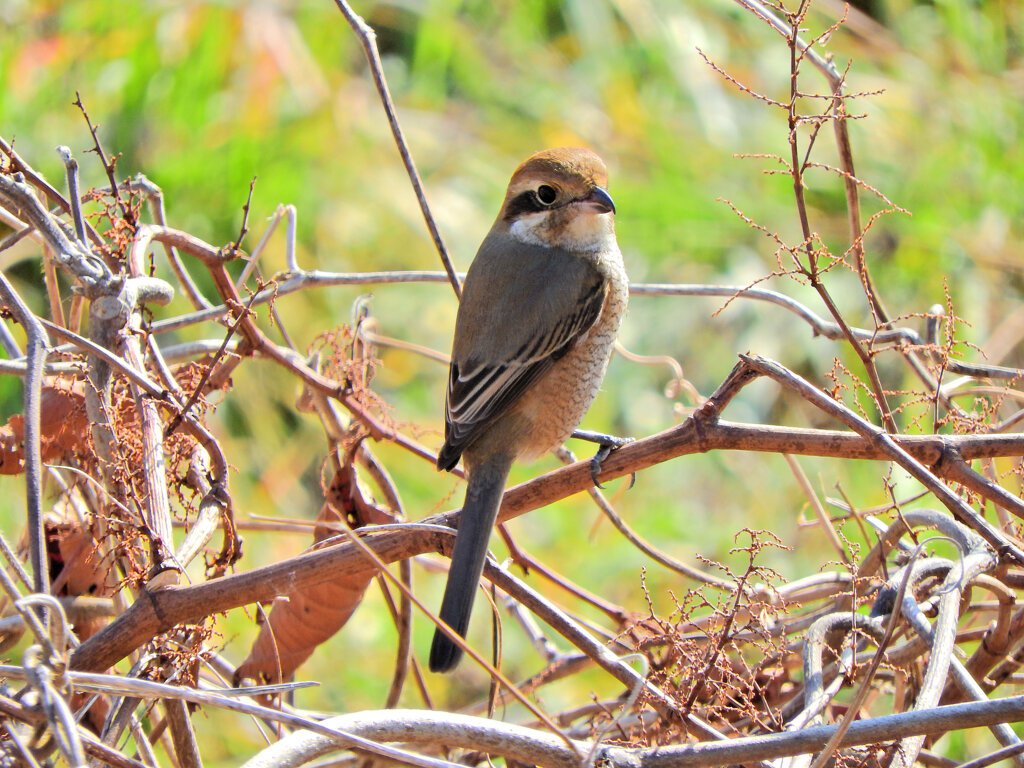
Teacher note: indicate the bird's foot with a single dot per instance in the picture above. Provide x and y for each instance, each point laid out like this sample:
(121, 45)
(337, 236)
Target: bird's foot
(607, 443)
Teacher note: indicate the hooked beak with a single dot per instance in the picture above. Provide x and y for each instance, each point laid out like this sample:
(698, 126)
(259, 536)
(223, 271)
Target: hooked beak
(599, 201)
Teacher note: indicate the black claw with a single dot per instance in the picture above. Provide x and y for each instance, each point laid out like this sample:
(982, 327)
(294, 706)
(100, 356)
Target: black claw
(607, 443)
(595, 464)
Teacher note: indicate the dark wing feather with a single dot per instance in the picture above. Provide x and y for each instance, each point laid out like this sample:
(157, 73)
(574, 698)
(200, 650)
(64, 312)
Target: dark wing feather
(481, 392)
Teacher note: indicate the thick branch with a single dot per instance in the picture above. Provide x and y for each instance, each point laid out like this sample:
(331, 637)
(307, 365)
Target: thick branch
(159, 611)
(497, 738)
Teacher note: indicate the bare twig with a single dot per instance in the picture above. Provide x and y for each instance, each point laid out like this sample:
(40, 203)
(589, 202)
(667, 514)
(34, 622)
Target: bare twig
(960, 509)
(368, 39)
(108, 164)
(36, 353)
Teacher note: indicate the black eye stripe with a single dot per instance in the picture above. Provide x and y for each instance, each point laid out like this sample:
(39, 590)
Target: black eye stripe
(525, 202)
(543, 198)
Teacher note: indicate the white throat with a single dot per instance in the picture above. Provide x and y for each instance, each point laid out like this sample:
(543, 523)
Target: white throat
(585, 232)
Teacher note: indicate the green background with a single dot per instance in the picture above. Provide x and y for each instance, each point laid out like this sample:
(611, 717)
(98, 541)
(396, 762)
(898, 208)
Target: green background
(202, 97)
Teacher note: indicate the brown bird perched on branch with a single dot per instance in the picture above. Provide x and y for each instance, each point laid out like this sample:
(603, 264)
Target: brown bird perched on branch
(540, 309)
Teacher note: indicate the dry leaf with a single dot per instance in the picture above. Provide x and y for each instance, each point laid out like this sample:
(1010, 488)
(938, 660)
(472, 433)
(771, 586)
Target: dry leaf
(64, 427)
(301, 621)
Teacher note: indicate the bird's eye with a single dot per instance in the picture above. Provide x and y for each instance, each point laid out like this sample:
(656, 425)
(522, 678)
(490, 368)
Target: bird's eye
(547, 194)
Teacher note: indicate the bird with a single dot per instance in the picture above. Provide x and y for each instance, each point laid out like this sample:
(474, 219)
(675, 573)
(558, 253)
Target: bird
(541, 307)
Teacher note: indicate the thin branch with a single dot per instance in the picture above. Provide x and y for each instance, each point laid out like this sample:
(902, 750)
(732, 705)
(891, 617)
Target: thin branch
(368, 39)
(960, 509)
(108, 164)
(71, 166)
(130, 686)
(32, 397)
(56, 198)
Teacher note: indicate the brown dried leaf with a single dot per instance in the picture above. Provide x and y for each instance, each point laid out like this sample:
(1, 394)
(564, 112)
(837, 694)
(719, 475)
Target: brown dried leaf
(78, 569)
(63, 422)
(299, 622)
(79, 566)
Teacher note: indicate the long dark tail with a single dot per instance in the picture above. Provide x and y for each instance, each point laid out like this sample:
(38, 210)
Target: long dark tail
(480, 510)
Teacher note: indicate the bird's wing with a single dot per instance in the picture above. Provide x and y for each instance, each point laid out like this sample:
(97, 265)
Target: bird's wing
(510, 335)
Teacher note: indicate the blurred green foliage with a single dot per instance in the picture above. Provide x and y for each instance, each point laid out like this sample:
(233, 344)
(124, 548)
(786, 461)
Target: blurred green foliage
(204, 96)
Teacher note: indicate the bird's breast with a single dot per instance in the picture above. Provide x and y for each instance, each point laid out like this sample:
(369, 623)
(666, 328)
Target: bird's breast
(556, 404)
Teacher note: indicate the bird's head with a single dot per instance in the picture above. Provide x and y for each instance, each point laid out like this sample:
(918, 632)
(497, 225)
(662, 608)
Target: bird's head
(557, 197)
